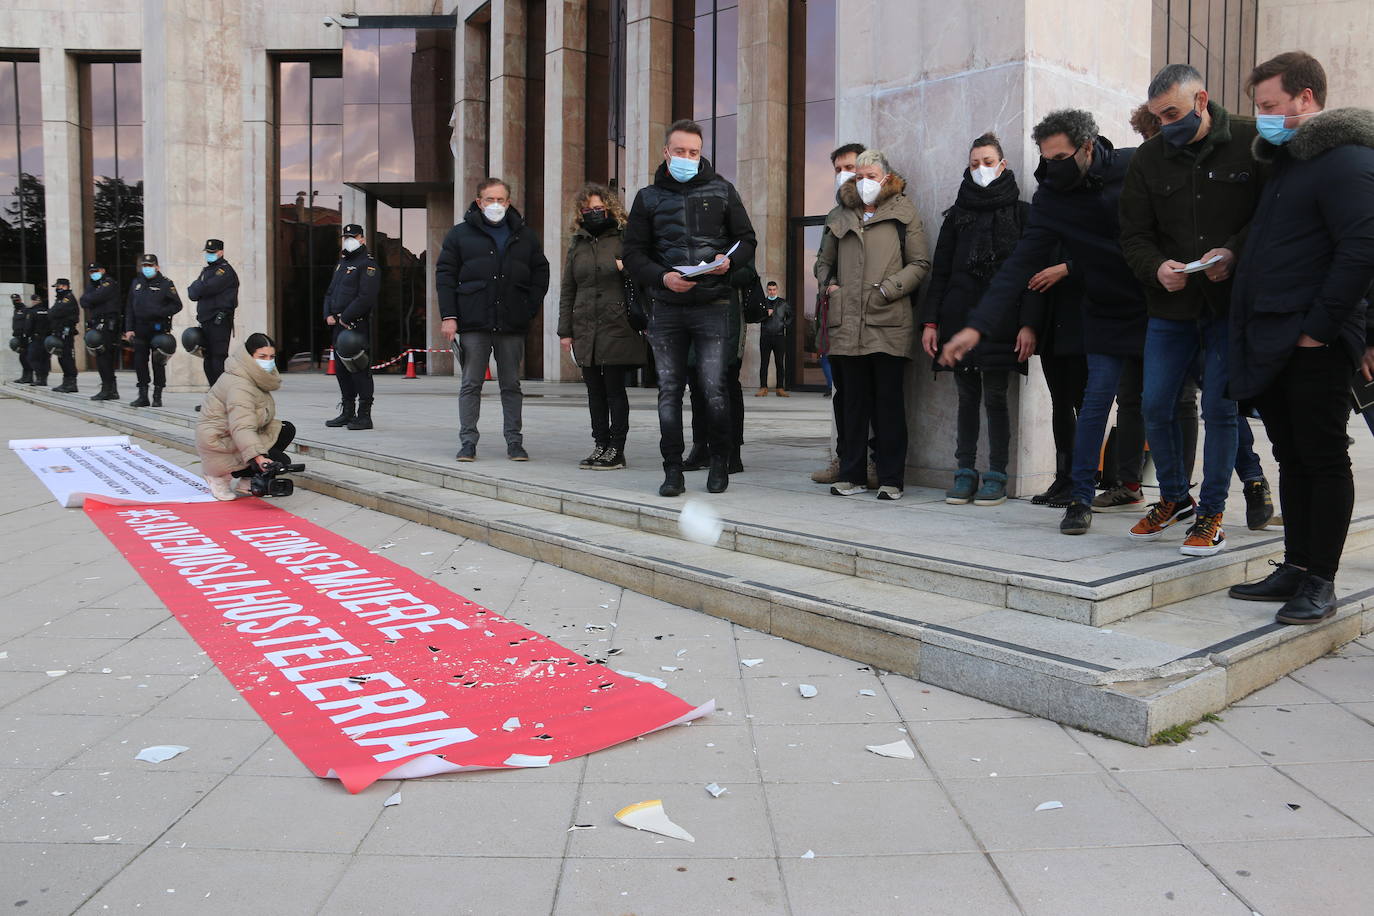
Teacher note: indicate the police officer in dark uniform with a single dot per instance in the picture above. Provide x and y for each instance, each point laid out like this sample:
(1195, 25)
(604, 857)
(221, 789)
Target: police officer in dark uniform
(64, 316)
(37, 327)
(348, 302)
(152, 302)
(20, 344)
(216, 295)
(100, 301)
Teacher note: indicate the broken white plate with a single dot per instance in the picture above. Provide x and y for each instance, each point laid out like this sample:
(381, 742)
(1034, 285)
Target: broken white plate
(699, 522)
(646, 678)
(650, 816)
(807, 691)
(392, 799)
(716, 790)
(160, 752)
(867, 693)
(750, 662)
(511, 724)
(899, 749)
(808, 855)
(1049, 806)
(54, 673)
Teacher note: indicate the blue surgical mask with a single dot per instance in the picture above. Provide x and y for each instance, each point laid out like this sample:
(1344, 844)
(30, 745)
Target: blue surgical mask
(95, 277)
(211, 257)
(772, 296)
(1271, 128)
(150, 272)
(266, 365)
(682, 169)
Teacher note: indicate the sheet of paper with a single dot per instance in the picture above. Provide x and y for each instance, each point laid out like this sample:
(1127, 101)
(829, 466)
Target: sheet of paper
(1193, 267)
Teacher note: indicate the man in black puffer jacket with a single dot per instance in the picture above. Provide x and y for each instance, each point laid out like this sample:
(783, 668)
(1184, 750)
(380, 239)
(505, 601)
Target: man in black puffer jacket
(491, 278)
(688, 216)
(1298, 318)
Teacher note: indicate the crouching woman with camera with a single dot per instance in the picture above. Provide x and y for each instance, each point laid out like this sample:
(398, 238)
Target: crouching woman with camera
(239, 434)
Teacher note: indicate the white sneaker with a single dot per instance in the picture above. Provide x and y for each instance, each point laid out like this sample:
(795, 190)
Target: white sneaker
(220, 488)
(845, 488)
(889, 492)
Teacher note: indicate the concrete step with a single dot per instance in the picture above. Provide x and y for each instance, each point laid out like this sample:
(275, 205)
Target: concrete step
(1017, 561)
(1164, 667)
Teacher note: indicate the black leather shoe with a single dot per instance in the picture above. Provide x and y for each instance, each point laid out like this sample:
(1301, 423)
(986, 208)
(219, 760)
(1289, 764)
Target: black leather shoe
(696, 459)
(1283, 584)
(718, 477)
(1315, 601)
(736, 465)
(673, 483)
(1078, 518)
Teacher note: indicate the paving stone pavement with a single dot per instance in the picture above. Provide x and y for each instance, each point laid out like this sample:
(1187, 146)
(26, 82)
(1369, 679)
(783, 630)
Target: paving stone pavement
(1269, 810)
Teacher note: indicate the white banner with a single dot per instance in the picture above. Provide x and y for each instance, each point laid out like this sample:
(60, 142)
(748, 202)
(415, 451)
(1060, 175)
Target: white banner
(109, 469)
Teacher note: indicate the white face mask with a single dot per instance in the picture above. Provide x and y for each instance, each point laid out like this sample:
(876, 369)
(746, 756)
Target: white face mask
(268, 365)
(494, 212)
(985, 175)
(351, 244)
(841, 178)
(868, 190)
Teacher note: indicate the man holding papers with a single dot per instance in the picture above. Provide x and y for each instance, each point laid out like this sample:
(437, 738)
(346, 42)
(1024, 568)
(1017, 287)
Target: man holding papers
(686, 230)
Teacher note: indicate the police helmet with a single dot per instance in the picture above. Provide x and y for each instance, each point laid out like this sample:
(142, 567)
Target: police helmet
(193, 341)
(53, 344)
(16, 344)
(95, 340)
(351, 349)
(163, 346)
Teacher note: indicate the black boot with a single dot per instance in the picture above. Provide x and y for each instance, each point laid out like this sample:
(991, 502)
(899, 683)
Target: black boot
(1060, 490)
(157, 397)
(68, 385)
(40, 380)
(1315, 602)
(345, 416)
(103, 394)
(142, 399)
(673, 483)
(736, 465)
(1283, 584)
(363, 419)
(696, 459)
(718, 477)
(25, 379)
(113, 393)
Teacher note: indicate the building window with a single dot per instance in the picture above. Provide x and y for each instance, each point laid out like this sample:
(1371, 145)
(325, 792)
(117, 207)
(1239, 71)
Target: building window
(310, 197)
(1217, 37)
(605, 92)
(23, 238)
(399, 245)
(112, 160)
(713, 62)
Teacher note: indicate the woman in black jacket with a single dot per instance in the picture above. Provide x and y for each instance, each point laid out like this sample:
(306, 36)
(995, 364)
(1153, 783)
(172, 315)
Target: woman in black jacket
(592, 325)
(978, 234)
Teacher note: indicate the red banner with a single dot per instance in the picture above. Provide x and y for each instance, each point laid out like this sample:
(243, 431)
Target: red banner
(366, 669)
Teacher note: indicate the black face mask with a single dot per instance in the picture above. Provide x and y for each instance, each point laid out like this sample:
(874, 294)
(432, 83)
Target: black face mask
(596, 221)
(1180, 133)
(1060, 174)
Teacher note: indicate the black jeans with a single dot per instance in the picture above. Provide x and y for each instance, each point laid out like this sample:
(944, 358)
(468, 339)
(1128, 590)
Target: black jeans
(673, 329)
(217, 346)
(873, 388)
(39, 359)
(66, 360)
(990, 387)
(1130, 424)
(774, 345)
(608, 403)
(277, 452)
(1305, 412)
(352, 384)
(144, 332)
(1066, 377)
(734, 394)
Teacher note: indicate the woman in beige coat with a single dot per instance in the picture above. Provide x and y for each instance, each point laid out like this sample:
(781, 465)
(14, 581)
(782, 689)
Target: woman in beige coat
(872, 259)
(239, 434)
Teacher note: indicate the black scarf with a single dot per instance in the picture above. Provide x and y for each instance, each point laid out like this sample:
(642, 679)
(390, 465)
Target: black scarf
(993, 215)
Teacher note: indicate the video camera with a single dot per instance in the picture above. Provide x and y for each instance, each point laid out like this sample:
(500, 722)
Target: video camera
(265, 482)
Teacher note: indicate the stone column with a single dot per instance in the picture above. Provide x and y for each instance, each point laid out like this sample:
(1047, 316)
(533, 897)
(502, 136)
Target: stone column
(763, 169)
(193, 145)
(439, 220)
(62, 165)
(506, 125)
(648, 87)
(253, 252)
(565, 84)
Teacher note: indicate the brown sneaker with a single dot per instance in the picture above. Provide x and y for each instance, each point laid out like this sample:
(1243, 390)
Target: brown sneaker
(1205, 538)
(782, 394)
(761, 393)
(829, 474)
(1161, 515)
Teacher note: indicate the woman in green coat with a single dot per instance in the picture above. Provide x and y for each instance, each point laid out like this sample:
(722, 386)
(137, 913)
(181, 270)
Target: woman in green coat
(592, 324)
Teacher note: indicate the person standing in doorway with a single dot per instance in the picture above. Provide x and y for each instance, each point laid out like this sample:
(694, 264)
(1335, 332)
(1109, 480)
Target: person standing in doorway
(348, 304)
(773, 340)
(216, 295)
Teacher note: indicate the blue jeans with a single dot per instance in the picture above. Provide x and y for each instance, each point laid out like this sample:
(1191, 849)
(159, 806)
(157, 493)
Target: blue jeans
(1104, 375)
(1171, 351)
(673, 329)
(825, 367)
(1248, 467)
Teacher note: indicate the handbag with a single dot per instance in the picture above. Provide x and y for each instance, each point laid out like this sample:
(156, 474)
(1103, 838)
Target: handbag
(637, 305)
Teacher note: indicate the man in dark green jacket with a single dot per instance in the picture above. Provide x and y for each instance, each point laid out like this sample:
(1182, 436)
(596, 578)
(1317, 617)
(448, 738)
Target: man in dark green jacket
(1185, 210)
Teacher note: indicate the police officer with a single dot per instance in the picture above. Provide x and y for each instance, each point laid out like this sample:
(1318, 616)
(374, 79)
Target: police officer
(37, 327)
(152, 302)
(64, 315)
(100, 301)
(216, 294)
(18, 322)
(348, 302)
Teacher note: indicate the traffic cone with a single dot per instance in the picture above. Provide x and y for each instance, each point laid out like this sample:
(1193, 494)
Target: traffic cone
(331, 371)
(488, 375)
(410, 364)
